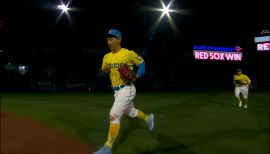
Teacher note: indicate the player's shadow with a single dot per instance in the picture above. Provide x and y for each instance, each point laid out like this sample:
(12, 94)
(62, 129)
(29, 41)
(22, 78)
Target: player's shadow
(169, 145)
(166, 144)
(223, 103)
(127, 127)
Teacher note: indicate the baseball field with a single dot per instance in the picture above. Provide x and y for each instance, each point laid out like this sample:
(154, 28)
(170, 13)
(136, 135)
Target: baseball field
(190, 122)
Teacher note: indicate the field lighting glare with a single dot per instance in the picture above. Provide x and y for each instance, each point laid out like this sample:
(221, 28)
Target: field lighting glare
(166, 9)
(63, 7)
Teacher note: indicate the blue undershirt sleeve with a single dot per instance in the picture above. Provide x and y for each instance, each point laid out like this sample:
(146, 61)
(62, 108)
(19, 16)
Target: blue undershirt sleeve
(141, 69)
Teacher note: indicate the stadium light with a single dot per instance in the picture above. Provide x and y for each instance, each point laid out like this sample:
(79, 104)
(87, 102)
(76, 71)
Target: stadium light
(65, 10)
(166, 9)
(63, 7)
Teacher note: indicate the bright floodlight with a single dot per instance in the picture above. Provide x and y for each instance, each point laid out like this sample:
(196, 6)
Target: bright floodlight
(166, 9)
(65, 10)
(63, 7)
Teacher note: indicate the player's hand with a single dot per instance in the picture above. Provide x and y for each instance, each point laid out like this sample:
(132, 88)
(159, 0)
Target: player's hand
(106, 69)
(135, 78)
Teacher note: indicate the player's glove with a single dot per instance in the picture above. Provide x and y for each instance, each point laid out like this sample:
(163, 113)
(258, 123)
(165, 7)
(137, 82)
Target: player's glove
(126, 73)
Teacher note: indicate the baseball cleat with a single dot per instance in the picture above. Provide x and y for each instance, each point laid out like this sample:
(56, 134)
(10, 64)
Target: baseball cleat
(104, 150)
(240, 104)
(150, 122)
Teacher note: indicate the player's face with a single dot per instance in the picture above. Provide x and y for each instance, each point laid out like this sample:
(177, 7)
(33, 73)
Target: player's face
(113, 43)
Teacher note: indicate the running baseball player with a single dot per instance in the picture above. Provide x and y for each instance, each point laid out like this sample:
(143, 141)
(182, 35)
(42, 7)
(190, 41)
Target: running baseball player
(118, 63)
(241, 82)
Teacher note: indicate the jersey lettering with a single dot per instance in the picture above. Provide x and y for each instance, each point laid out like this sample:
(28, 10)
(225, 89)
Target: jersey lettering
(115, 65)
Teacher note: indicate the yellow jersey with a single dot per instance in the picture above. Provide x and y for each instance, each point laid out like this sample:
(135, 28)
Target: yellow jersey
(114, 60)
(241, 79)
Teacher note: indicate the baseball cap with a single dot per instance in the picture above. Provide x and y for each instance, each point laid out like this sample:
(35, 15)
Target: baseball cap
(239, 70)
(113, 33)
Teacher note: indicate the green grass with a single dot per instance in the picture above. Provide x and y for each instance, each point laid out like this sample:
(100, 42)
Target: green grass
(186, 122)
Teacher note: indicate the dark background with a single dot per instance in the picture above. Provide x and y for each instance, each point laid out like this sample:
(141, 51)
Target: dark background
(67, 54)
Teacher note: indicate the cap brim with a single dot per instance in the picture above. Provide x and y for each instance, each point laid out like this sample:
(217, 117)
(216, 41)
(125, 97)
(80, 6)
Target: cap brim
(109, 35)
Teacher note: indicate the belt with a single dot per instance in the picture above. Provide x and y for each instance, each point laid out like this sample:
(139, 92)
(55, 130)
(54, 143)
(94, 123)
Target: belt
(242, 84)
(116, 88)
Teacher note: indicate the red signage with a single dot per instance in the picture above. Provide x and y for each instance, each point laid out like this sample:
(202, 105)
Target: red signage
(202, 52)
(214, 55)
(263, 46)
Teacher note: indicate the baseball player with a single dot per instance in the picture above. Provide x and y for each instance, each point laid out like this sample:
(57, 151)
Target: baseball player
(124, 89)
(241, 82)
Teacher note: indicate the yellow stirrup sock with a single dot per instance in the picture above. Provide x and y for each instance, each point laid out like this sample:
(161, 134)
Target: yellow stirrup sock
(142, 116)
(113, 133)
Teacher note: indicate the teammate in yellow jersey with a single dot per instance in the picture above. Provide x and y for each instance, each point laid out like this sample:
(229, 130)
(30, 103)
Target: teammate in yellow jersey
(124, 92)
(241, 82)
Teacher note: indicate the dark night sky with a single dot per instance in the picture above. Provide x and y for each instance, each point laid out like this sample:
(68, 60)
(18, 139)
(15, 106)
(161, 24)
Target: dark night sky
(35, 18)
